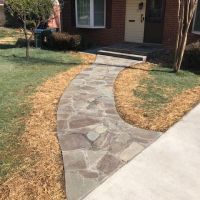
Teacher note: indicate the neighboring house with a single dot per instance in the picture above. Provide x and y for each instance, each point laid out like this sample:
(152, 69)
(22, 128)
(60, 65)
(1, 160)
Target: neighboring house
(111, 21)
(54, 21)
(2, 15)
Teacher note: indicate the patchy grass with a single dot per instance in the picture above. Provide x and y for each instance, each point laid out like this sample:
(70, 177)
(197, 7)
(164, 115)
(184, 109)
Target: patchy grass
(161, 87)
(41, 175)
(153, 97)
(19, 79)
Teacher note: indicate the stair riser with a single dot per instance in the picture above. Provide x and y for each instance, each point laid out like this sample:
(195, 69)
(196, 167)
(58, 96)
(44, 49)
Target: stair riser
(123, 56)
(126, 51)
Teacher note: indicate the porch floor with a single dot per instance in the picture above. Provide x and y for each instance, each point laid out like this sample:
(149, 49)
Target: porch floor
(144, 49)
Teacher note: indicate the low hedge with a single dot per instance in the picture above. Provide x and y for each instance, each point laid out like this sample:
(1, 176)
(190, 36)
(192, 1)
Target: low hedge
(63, 41)
(22, 43)
(191, 58)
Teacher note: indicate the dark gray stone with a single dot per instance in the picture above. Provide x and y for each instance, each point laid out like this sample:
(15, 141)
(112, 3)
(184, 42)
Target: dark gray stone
(74, 160)
(82, 122)
(78, 186)
(73, 142)
(89, 174)
(108, 164)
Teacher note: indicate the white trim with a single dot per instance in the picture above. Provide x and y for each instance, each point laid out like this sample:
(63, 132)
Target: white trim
(193, 31)
(91, 26)
(92, 13)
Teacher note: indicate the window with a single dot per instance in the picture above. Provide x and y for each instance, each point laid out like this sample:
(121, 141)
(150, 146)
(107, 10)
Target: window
(90, 13)
(196, 27)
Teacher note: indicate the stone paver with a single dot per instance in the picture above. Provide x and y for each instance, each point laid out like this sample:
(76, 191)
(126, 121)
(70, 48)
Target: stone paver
(167, 170)
(95, 141)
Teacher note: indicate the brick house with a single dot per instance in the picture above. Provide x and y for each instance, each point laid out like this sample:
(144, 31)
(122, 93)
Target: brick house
(112, 21)
(54, 21)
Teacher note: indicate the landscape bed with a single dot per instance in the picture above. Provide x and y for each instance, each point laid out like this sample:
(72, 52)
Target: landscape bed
(153, 97)
(31, 165)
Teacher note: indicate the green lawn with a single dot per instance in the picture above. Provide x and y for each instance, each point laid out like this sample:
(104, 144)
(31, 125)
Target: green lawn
(162, 86)
(18, 80)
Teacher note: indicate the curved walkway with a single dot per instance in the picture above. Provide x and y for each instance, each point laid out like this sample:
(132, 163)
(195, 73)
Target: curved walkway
(95, 141)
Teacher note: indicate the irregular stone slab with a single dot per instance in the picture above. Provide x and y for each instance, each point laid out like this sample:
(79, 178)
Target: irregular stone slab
(108, 164)
(78, 185)
(93, 157)
(74, 142)
(94, 140)
(82, 122)
(74, 160)
(92, 136)
(131, 152)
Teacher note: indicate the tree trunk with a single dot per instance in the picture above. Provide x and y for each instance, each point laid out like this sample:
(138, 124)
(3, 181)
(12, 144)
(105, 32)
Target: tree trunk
(27, 49)
(182, 51)
(27, 39)
(186, 9)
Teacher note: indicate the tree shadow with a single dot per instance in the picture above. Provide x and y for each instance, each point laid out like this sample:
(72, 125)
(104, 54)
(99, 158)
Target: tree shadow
(37, 61)
(7, 46)
(168, 68)
(162, 69)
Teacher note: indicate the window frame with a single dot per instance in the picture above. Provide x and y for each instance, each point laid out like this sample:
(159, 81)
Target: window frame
(91, 26)
(195, 15)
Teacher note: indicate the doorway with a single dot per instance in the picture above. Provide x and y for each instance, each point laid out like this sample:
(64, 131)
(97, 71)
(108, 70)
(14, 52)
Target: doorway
(135, 20)
(154, 21)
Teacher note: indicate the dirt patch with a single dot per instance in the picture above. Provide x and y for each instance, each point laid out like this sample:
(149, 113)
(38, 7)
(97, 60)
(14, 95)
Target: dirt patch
(127, 82)
(41, 176)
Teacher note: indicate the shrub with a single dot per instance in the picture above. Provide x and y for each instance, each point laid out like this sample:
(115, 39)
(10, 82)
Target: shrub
(11, 21)
(22, 43)
(63, 41)
(191, 58)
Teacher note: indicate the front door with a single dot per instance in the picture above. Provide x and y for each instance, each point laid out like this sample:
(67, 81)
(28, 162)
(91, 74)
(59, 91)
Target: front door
(154, 21)
(135, 20)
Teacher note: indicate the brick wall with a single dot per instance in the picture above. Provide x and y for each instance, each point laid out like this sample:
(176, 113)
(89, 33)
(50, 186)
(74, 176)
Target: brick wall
(171, 26)
(105, 36)
(116, 32)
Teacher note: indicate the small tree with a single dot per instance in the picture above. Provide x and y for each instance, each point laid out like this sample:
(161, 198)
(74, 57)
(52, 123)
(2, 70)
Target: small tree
(31, 13)
(186, 10)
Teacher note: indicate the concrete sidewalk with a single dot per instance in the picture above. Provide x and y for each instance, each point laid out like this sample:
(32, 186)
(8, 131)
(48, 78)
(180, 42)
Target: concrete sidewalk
(168, 170)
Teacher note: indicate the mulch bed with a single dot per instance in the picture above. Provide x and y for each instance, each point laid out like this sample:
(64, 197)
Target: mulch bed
(128, 80)
(41, 176)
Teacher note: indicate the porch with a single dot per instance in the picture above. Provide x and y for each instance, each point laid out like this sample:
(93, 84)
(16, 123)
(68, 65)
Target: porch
(128, 50)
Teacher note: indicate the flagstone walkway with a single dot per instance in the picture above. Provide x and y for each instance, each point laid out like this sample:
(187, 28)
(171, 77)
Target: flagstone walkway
(95, 141)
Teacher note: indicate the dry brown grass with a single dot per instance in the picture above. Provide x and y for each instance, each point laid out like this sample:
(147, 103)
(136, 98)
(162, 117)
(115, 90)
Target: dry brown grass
(8, 40)
(41, 176)
(128, 80)
(12, 36)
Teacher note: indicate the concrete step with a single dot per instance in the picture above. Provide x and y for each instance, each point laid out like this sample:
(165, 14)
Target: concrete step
(119, 54)
(127, 50)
